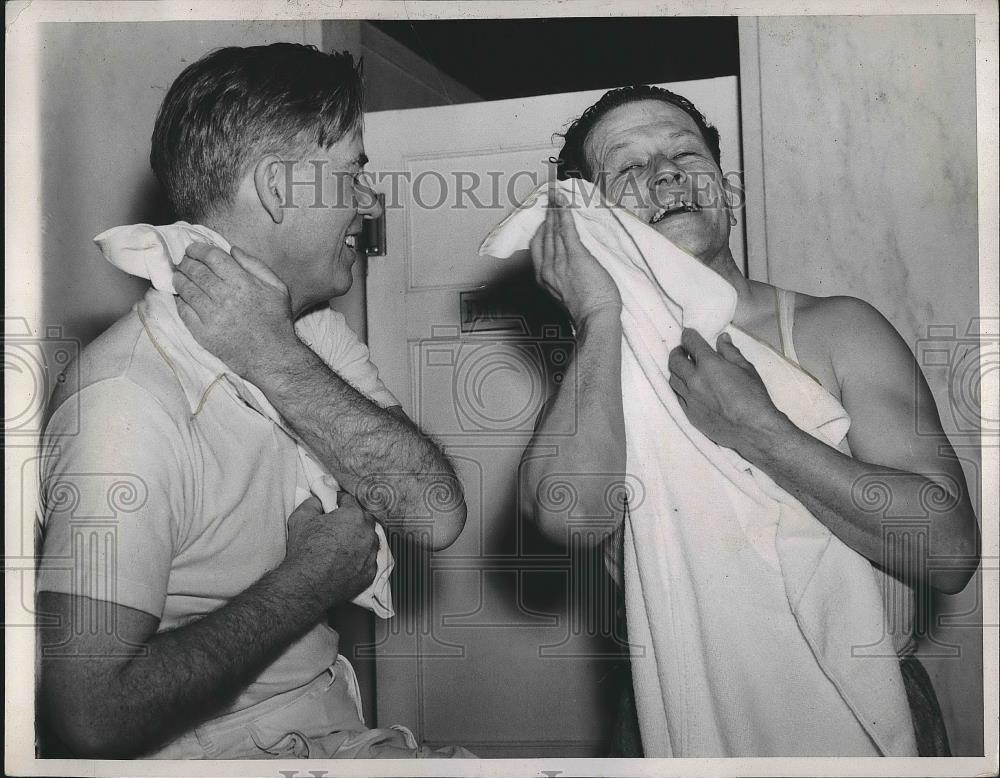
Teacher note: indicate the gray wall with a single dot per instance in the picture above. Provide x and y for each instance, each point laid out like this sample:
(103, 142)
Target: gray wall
(860, 155)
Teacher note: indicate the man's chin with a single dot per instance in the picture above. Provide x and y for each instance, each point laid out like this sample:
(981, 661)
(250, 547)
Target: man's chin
(342, 285)
(322, 298)
(686, 239)
(344, 289)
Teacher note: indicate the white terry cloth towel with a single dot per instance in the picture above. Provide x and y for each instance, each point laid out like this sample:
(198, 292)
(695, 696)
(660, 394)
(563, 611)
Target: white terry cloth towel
(743, 610)
(150, 252)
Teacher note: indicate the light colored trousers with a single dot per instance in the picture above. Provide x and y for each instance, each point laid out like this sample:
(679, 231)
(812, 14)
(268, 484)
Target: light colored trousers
(322, 720)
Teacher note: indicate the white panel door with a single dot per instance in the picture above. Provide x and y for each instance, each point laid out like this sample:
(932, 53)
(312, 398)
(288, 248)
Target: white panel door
(501, 641)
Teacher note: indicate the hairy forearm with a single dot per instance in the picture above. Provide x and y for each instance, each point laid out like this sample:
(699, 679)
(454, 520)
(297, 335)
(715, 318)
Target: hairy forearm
(580, 436)
(183, 676)
(852, 497)
(396, 473)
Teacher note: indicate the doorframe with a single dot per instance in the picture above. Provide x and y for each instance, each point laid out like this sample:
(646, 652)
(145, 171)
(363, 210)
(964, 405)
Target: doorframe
(752, 140)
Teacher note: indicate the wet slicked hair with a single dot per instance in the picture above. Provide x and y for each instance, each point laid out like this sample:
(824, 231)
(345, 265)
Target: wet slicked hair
(572, 160)
(237, 104)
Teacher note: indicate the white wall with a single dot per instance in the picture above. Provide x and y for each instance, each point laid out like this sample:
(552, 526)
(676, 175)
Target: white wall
(860, 155)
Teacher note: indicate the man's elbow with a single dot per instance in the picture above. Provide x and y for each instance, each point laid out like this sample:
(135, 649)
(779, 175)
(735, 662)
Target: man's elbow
(87, 735)
(83, 716)
(447, 527)
(557, 526)
(567, 507)
(954, 581)
(963, 560)
(89, 742)
(530, 511)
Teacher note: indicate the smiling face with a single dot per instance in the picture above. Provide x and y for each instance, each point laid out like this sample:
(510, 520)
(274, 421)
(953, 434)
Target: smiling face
(322, 224)
(650, 157)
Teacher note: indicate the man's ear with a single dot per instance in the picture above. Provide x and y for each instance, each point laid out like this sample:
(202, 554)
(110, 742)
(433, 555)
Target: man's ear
(733, 194)
(269, 178)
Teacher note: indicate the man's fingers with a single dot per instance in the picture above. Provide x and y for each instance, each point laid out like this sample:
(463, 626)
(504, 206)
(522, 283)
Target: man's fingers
(348, 500)
(538, 260)
(214, 258)
(695, 344)
(199, 273)
(190, 292)
(567, 228)
(227, 266)
(311, 504)
(257, 267)
(201, 250)
(536, 246)
(559, 255)
(188, 314)
(728, 350)
(680, 390)
(680, 364)
(548, 238)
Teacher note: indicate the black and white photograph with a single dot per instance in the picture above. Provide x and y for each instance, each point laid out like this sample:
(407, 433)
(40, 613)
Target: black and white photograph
(501, 388)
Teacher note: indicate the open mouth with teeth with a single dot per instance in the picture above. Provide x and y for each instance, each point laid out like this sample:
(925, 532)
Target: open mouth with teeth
(663, 213)
(353, 241)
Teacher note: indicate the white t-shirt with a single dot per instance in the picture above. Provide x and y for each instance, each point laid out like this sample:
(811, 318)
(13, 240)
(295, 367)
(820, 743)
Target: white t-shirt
(171, 498)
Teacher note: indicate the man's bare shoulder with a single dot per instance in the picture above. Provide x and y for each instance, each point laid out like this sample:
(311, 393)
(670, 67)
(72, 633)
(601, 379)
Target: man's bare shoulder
(842, 316)
(849, 332)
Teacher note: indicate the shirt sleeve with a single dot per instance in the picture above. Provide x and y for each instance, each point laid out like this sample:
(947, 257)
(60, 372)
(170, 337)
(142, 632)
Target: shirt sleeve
(326, 332)
(111, 497)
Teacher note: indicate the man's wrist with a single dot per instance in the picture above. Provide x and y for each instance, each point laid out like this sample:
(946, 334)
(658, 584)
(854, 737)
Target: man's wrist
(277, 360)
(602, 318)
(768, 442)
(301, 581)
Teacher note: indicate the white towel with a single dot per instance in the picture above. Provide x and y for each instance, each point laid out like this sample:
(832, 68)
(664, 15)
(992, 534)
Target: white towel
(743, 610)
(150, 252)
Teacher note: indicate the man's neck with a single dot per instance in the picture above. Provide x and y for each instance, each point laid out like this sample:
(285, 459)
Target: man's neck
(725, 265)
(224, 227)
(750, 295)
(245, 236)
(251, 241)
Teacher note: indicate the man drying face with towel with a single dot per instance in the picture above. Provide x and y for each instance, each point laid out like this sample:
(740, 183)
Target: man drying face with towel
(235, 405)
(652, 152)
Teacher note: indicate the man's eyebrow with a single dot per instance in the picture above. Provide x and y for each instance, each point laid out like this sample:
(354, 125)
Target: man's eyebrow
(675, 134)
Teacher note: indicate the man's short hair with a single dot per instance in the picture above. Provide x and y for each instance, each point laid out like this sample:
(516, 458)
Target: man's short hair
(235, 105)
(572, 159)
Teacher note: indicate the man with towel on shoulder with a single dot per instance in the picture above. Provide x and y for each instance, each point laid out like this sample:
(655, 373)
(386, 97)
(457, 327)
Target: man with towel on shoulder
(234, 406)
(653, 152)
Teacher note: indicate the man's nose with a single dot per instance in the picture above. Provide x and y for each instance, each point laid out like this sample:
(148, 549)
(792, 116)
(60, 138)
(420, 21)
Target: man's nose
(368, 203)
(667, 174)
(665, 183)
